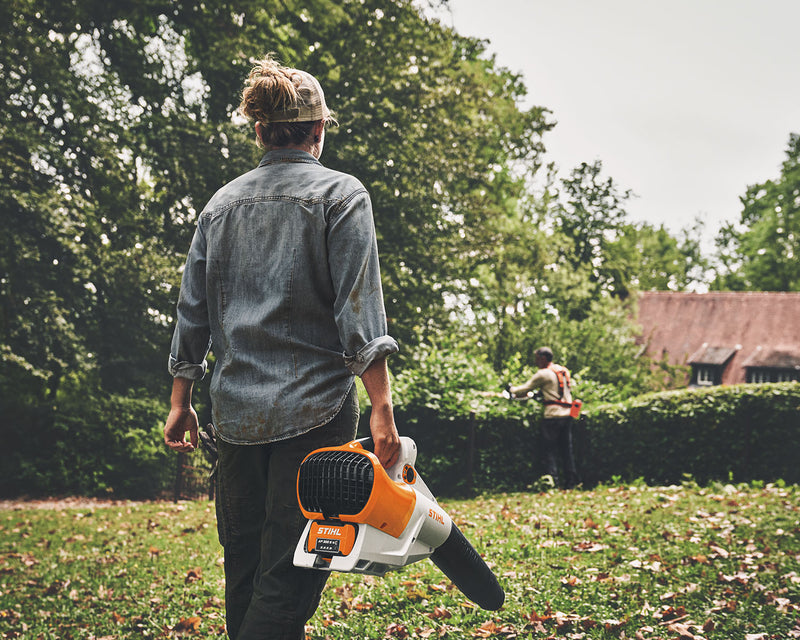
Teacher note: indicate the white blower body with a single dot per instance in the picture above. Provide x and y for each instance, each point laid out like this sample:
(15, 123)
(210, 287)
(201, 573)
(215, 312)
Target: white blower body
(363, 518)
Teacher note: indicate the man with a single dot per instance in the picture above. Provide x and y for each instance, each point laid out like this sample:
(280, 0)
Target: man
(554, 384)
(282, 278)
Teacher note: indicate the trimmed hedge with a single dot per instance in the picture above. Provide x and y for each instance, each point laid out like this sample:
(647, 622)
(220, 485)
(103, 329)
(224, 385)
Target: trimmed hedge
(748, 432)
(740, 433)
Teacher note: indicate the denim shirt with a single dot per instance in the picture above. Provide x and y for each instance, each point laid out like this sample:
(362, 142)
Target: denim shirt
(282, 278)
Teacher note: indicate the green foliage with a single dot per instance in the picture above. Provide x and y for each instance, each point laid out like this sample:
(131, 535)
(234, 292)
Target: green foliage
(602, 350)
(85, 260)
(608, 252)
(82, 445)
(592, 213)
(647, 258)
(453, 376)
(448, 379)
(432, 128)
(120, 125)
(743, 432)
(626, 561)
(760, 253)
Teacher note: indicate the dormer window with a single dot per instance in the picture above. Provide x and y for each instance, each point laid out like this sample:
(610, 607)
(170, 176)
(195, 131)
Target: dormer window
(708, 364)
(759, 375)
(705, 375)
(773, 364)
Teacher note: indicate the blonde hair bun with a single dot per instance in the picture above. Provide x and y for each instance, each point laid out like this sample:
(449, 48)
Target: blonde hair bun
(274, 93)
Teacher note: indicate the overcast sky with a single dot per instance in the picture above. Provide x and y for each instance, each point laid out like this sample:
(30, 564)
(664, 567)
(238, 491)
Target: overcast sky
(686, 102)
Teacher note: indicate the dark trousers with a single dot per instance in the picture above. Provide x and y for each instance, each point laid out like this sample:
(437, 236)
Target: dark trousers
(260, 523)
(557, 442)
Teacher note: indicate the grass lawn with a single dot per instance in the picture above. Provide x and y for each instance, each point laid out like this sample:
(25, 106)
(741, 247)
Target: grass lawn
(616, 562)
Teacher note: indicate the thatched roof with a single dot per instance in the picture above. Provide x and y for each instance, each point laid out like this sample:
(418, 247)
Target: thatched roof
(744, 329)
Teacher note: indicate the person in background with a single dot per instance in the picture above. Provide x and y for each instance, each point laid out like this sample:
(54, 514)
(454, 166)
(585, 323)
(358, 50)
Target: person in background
(553, 383)
(282, 280)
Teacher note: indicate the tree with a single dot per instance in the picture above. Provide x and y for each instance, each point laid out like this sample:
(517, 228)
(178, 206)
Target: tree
(118, 122)
(120, 125)
(433, 128)
(761, 252)
(591, 216)
(644, 257)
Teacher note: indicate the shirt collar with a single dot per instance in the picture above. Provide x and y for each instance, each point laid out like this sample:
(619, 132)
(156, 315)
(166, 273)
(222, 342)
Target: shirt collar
(287, 155)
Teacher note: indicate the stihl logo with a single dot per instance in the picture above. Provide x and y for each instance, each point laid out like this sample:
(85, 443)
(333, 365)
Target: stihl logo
(436, 516)
(329, 531)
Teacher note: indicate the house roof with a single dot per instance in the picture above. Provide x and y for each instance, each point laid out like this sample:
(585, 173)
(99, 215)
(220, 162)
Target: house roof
(780, 357)
(711, 355)
(746, 329)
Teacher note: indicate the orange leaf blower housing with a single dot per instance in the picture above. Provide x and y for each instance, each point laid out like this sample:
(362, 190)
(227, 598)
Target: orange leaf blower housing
(387, 506)
(366, 519)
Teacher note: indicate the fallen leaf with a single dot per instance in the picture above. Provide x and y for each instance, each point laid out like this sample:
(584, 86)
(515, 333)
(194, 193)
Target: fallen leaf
(684, 631)
(571, 581)
(440, 613)
(396, 630)
(588, 547)
(193, 575)
(188, 625)
(486, 630)
(489, 629)
(722, 553)
(671, 614)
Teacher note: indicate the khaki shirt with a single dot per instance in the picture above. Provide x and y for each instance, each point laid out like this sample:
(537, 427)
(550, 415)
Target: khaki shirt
(547, 381)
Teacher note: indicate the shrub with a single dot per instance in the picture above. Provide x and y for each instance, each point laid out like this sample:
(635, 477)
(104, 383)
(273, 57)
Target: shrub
(745, 432)
(112, 445)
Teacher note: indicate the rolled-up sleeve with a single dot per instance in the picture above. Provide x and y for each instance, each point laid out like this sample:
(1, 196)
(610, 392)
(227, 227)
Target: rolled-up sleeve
(355, 270)
(372, 351)
(191, 339)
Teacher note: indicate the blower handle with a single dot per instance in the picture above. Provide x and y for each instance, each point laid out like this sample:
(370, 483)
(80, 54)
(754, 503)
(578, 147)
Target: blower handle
(407, 456)
(459, 561)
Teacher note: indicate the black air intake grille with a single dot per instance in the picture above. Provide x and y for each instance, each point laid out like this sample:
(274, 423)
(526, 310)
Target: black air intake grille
(335, 483)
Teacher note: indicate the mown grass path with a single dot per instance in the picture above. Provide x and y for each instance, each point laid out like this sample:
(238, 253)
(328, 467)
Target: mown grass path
(616, 562)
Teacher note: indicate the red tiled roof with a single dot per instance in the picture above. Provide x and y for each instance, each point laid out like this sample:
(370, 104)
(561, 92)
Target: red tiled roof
(757, 328)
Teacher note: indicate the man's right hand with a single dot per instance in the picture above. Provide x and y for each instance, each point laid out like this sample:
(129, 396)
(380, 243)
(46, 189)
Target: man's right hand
(384, 436)
(180, 421)
(381, 421)
(182, 417)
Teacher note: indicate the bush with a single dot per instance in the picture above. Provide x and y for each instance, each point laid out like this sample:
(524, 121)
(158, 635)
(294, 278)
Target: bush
(741, 432)
(111, 445)
(745, 432)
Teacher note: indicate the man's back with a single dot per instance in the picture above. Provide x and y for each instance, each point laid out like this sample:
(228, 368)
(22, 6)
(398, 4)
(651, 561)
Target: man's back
(288, 265)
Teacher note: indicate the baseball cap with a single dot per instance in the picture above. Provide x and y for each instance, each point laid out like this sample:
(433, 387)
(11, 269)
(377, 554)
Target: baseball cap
(311, 105)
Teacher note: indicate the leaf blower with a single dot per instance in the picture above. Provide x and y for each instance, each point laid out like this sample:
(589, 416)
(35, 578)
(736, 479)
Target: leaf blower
(363, 518)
